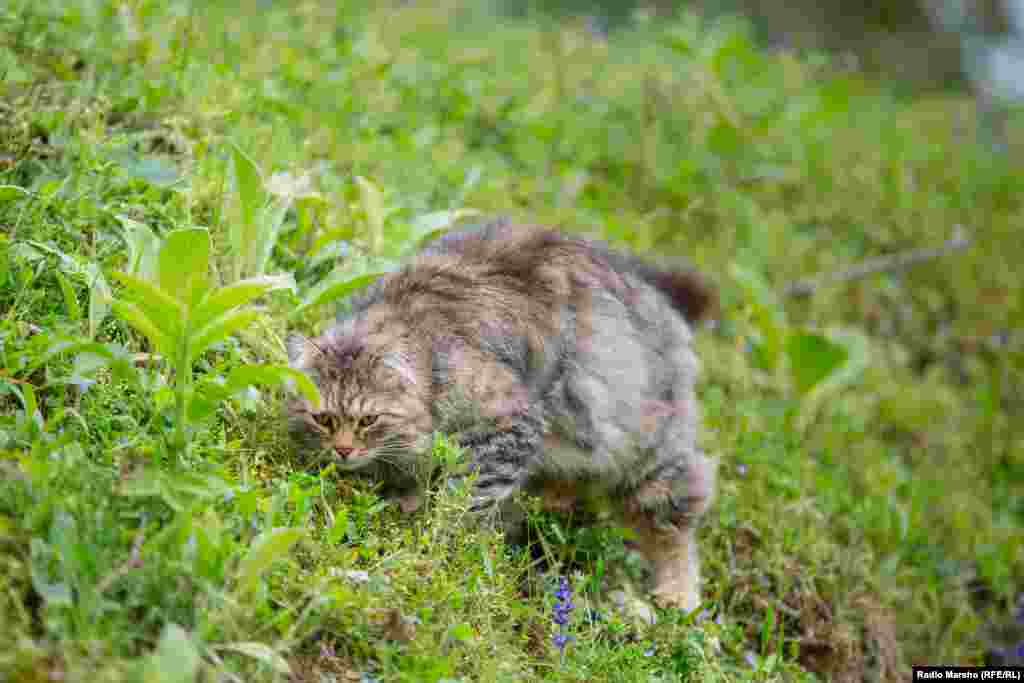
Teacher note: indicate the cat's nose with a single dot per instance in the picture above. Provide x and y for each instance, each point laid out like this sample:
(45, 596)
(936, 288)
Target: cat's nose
(343, 451)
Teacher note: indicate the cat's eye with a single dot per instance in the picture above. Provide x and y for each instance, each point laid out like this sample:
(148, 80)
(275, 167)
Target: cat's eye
(326, 420)
(367, 421)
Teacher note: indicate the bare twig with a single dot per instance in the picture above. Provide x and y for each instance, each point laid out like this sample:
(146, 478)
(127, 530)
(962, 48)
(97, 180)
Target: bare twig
(900, 261)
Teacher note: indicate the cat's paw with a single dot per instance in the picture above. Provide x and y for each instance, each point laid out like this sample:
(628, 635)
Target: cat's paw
(633, 608)
(683, 598)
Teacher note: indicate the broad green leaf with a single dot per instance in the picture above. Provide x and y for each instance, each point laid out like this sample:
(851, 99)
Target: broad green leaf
(92, 356)
(306, 208)
(249, 185)
(372, 201)
(251, 197)
(176, 659)
(155, 170)
(179, 490)
(461, 631)
(143, 247)
(724, 140)
(357, 273)
(184, 264)
(246, 376)
(202, 485)
(219, 329)
(268, 547)
(28, 401)
(204, 400)
(104, 351)
(262, 653)
(134, 316)
(70, 299)
(269, 227)
(857, 350)
(345, 233)
(812, 358)
(430, 226)
(858, 357)
(338, 290)
(149, 483)
(100, 298)
(223, 300)
(765, 313)
(166, 313)
(339, 530)
(11, 192)
(56, 593)
(678, 42)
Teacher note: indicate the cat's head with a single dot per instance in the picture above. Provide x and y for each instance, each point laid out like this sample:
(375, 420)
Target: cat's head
(373, 407)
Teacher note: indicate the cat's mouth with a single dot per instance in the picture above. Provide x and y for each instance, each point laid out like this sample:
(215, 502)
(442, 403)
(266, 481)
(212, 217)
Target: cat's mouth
(350, 458)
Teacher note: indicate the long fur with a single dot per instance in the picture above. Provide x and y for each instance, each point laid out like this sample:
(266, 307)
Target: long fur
(557, 362)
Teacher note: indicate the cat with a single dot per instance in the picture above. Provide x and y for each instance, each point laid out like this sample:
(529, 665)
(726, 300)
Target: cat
(562, 367)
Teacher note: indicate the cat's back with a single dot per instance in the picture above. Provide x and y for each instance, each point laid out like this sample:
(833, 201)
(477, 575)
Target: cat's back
(541, 259)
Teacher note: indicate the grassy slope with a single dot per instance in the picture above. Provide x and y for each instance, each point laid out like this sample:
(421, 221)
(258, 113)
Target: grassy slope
(852, 537)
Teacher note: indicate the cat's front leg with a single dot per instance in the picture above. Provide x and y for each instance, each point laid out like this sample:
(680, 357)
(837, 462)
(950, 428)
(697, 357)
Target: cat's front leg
(502, 455)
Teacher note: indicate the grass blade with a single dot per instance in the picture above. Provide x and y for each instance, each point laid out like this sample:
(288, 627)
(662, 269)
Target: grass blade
(272, 375)
(373, 206)
(262, 653)
(269, 547)
(70, 300)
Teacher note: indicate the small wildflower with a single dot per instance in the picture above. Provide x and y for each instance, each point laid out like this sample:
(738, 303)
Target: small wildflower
(741, 469)
(560, 612)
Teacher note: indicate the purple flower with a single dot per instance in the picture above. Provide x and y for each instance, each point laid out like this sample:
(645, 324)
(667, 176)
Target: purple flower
(560, 612)
(564, 592)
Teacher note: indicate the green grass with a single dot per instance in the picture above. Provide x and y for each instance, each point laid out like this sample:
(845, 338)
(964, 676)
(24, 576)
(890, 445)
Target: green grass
(869, 515)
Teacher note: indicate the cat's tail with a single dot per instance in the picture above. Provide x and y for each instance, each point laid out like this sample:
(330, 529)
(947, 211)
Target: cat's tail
(688, 291)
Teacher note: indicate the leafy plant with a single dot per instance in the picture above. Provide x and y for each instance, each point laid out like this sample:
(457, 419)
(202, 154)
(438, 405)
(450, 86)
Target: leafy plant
(818, 364)
(261, 207)
(387, 242)
(182, 316)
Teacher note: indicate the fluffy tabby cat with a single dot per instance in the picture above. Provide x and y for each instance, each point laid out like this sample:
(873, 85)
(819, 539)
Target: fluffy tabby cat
(562, 367)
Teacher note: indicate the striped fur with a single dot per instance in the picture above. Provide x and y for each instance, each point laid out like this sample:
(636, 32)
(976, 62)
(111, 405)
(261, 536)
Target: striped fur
(557, 363)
